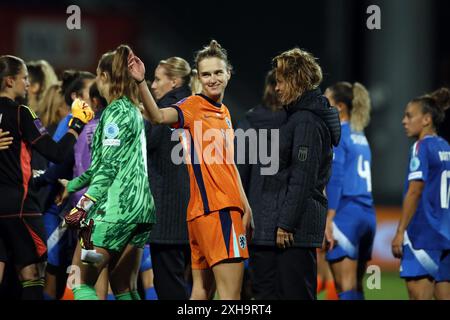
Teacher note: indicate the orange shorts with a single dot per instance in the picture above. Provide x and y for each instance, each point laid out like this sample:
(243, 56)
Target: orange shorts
(216, 237)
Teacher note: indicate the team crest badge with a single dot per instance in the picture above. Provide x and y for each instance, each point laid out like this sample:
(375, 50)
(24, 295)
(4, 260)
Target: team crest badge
(242, 241)
(228, 122)
(302, 154)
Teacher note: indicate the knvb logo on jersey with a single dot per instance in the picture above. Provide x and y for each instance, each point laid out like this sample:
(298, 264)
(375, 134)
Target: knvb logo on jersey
(242, 241)
(216, 146)
(227, 120)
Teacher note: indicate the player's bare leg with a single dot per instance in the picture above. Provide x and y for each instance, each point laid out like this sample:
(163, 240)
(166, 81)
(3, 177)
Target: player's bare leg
(229, 275)
(2, 271)
(101, 286)
(420, 289)
(442, 290)
(124, 270)
(345, 274)
(203, 284)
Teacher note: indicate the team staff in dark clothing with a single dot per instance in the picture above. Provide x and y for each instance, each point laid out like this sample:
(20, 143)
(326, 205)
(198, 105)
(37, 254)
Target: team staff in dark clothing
(169, 245)
(21, 225)
(296, 223)
(267, 116)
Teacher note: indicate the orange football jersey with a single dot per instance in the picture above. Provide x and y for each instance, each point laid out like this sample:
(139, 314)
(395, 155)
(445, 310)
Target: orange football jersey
(209, 149)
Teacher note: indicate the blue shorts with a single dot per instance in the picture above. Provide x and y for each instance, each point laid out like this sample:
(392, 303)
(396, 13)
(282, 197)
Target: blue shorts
(61, 242)
(424, 263)
(354, 230)
(146, 262)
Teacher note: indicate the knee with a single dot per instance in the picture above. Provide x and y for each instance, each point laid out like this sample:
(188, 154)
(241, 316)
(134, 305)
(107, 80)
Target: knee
(442, 294)
(121, 284)
(346, 282)
(229, 293)
(199, 294)
(417, 294)
(230, 296)
(30, 273)
(439, 295)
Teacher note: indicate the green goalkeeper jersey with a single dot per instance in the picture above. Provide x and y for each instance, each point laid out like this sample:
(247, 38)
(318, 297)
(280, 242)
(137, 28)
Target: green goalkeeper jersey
(117, 179)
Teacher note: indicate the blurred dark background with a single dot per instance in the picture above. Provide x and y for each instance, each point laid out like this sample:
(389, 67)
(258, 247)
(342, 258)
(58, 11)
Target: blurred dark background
(408, 57)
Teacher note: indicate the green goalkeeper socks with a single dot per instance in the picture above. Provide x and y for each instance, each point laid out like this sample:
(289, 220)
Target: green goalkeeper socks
(84, 292)
(124, 296)
(135, 295)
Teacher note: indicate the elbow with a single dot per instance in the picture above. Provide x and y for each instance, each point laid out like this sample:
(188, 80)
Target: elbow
(415, 194)
(157, 118)
(157, 121)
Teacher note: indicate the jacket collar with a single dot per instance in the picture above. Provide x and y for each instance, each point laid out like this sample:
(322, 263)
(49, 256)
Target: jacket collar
(175, 95)
(304, 102)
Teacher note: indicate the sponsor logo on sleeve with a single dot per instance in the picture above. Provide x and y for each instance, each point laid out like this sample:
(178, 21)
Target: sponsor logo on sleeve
(111, 131)
(415, 175)
(111, 143)
(414, 164)
(39, 126)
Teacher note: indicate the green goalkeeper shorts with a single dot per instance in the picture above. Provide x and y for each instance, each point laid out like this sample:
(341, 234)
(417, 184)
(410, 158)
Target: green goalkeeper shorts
(116, 236)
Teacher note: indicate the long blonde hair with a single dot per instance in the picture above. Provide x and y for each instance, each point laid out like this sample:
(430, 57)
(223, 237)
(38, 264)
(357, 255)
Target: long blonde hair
(356, 98)
(51, 102)
(176, 67)
(40, 71)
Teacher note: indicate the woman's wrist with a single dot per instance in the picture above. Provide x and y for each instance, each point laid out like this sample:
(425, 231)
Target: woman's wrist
(140, 81)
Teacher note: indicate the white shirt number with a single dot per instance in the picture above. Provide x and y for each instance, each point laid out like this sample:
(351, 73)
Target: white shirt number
(364, 172)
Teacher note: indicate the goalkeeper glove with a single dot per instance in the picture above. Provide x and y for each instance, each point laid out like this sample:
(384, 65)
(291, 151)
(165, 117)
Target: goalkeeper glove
(81, 114)
(77, 215)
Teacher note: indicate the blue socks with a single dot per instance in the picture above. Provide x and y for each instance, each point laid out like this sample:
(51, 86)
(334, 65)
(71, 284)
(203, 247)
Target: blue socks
(110, 296)
(351, 295)
(48, 297)
(150, 294)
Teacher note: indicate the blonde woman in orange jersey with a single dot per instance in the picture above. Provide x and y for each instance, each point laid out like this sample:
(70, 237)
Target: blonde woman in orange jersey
(219, 216)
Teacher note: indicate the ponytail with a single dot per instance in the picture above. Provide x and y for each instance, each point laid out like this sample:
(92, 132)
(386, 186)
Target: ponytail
(360, 113)
(356, 98)
(435, 104)
(115, 64)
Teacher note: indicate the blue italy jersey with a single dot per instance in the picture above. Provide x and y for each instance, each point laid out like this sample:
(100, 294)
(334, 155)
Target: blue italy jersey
(429, 161)
(350, 172)
(63, 127)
